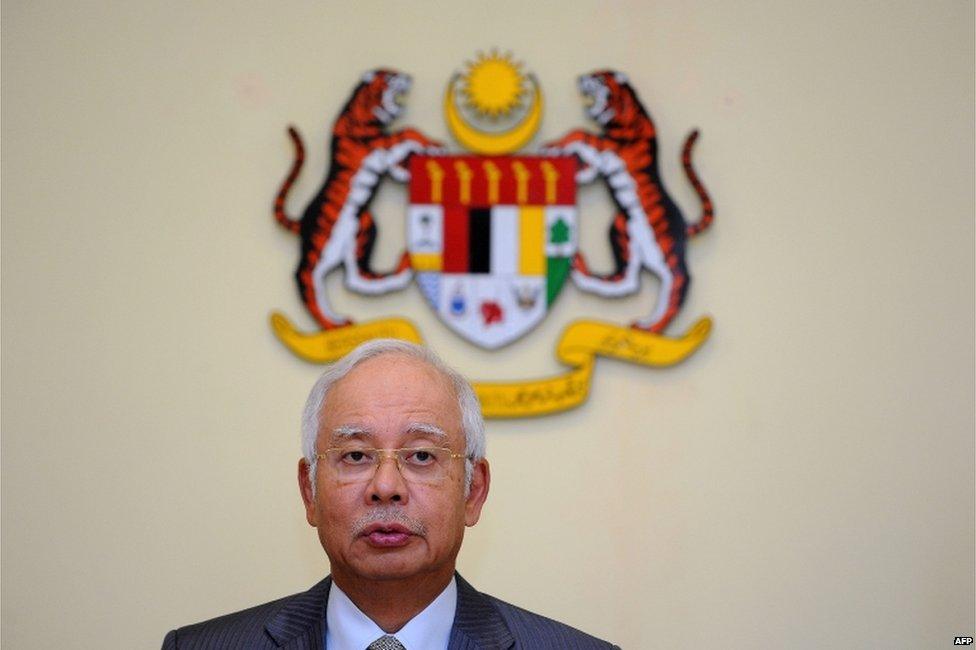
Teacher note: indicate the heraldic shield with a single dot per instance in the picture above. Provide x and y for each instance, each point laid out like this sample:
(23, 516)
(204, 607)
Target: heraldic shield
(491, 240)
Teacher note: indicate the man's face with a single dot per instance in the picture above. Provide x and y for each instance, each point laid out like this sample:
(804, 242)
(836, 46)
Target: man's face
(384, 527)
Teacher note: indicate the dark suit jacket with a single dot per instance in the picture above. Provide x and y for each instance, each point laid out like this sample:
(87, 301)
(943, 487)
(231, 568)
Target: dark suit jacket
(298, 623)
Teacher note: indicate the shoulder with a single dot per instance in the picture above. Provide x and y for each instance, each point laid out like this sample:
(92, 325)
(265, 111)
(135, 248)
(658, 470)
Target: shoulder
(231, 630)
(255, 627)
(533, 629)
(526, 629)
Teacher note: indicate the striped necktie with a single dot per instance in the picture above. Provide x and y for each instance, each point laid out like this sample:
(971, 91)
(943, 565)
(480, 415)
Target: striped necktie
(387, 642)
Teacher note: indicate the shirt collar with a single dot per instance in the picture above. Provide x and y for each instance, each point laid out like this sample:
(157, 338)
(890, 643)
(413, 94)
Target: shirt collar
(348, 628)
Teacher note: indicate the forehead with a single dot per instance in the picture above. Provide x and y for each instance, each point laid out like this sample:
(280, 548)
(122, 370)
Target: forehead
(387, 394)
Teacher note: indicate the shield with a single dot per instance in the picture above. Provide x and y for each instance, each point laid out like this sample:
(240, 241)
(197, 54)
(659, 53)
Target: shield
(491, 240)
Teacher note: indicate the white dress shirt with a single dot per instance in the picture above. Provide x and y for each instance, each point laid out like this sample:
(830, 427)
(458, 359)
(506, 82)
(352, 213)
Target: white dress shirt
(347, 628)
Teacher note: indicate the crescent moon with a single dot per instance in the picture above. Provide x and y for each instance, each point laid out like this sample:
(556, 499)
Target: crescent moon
(479, 141)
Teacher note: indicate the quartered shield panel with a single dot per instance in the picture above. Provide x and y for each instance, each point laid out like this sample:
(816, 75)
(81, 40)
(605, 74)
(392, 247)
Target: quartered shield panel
(491, 240)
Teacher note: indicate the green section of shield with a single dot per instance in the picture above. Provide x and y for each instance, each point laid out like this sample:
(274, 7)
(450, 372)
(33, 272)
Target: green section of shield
(557, 269)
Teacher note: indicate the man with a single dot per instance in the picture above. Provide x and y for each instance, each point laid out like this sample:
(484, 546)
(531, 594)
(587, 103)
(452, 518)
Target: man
(393, 471)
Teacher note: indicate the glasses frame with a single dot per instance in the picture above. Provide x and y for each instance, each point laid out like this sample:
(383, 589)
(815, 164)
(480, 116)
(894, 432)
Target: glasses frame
(390, 453)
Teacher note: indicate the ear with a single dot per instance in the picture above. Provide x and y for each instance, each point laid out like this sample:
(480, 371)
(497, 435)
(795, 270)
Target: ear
(305, 488)
(480, 481)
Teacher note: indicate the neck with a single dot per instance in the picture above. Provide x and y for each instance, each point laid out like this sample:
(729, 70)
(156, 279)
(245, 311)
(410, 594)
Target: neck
(392, 603)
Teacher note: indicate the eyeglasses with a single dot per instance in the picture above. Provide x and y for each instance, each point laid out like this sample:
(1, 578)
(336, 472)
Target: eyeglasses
(416, 464)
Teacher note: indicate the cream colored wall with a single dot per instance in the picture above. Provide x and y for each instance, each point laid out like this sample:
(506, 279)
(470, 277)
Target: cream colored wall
(804, 481)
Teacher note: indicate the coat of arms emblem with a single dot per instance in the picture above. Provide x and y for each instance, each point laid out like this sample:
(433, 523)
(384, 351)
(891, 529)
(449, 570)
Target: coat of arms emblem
(492, 237)
(491, 240)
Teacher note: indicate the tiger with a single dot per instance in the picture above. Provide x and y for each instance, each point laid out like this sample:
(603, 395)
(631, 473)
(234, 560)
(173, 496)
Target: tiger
(648, 230)
(337, 228)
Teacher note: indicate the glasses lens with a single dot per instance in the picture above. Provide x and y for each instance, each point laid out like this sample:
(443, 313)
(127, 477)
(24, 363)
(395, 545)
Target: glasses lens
(352, 463)
(423, 464)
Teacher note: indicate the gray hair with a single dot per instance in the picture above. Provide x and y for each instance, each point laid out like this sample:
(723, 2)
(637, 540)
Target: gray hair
(472, 422)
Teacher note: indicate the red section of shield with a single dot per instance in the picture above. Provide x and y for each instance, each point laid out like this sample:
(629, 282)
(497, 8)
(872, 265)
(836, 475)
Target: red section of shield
(455, 239)
(566, 185)
(419, 183)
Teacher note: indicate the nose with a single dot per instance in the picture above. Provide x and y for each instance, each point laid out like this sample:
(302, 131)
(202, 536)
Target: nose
(387, 484)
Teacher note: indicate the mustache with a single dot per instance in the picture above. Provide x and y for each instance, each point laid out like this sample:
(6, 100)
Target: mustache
(388, 515)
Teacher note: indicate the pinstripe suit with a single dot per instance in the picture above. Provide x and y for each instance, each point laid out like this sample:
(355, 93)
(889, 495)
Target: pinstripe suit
(297, 623)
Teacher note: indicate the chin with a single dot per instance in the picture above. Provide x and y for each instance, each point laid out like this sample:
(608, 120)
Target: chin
(388, 563)
(388, 568)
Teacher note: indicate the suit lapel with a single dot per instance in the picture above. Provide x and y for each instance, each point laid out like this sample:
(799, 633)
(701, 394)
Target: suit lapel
(477, 624)
(300, 622)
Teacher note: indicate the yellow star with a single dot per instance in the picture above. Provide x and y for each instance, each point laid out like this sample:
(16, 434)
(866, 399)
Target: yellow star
(493, 85)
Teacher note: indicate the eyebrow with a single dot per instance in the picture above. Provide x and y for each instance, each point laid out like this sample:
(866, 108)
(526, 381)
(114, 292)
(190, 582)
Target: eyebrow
(429, 429)
(347, 431)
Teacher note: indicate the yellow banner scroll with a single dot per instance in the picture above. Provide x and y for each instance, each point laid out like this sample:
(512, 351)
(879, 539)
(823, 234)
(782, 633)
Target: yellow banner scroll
(581, 343)
(332, 345)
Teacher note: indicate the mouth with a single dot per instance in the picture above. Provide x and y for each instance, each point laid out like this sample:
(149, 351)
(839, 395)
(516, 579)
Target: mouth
(401, 87)
(400, 96)
(393, 104)
(382, 535)
(587, 90)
